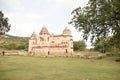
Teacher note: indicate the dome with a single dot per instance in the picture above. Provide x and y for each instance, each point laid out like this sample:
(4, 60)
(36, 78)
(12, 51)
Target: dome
(33, 36)
(44, 31)
(66, 31)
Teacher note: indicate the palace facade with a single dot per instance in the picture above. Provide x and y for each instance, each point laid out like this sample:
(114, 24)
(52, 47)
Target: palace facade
(49, 44)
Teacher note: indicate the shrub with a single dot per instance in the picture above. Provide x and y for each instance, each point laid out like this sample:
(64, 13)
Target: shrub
(79, 45)
(117, 60)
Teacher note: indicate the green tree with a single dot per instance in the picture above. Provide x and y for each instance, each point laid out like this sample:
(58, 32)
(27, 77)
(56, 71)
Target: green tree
(105, 45)
(79, 45)
(14, 46)
(102, 45)
(99, 18)
(4, 25)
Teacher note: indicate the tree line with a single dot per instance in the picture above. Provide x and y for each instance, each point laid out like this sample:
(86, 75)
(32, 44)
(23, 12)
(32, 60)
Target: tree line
(14, 46)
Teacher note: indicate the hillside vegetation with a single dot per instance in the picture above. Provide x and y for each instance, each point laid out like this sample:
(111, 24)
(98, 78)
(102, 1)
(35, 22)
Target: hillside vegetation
(13, 42)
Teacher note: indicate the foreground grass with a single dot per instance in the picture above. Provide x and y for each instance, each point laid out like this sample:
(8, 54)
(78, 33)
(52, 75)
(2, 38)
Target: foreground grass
(57, 68)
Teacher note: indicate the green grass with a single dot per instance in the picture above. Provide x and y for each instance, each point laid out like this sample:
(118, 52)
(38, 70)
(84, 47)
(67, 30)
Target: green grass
(57, 68)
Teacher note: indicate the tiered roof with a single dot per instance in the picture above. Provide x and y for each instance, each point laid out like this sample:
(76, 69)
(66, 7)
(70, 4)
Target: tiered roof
(44, 31)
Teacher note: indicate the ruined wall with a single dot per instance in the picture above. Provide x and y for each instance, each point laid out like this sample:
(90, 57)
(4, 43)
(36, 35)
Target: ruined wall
(49, 44)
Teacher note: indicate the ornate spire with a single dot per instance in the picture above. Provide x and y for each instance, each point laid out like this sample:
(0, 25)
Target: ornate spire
(44, 31)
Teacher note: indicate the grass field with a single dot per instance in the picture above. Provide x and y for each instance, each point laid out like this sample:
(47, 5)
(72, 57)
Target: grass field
(57, 68)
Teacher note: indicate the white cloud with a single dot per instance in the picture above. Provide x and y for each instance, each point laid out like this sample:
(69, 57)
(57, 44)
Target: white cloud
(27, 16)
(23, 25)
(71, 3)
(12, 5)
(33, 16)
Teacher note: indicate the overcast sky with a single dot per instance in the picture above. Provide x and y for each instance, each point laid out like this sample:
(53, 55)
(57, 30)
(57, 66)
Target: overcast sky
(26, 16)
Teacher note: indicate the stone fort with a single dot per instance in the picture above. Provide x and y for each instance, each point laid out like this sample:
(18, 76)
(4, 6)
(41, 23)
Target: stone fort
(49, 44)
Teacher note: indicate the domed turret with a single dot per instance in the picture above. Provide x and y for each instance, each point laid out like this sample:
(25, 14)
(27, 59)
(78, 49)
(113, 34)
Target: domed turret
(44, 31)
(33, 36)
(66, 31)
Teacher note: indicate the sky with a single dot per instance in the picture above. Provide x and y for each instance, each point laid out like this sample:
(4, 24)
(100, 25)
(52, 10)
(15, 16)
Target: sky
(27, 16)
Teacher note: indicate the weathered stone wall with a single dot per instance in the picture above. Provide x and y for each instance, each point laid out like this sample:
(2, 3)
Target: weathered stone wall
(49, 44)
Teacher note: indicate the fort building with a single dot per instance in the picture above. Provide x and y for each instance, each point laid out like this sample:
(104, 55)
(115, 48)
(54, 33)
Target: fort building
(49, 44)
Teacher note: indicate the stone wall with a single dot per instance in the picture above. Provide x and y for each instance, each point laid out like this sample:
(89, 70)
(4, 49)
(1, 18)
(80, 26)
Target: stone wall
(49, 44)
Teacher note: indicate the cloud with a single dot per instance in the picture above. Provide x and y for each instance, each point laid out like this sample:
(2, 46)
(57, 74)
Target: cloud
(27, 16)
(23, 24)
(11, 5)
(26, 13)
(71, 3)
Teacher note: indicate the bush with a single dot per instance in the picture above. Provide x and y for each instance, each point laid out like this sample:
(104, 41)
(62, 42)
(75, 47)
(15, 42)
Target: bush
(79, 45)
(14, 46)
(113, 54)
(117, 60)
(101, 56)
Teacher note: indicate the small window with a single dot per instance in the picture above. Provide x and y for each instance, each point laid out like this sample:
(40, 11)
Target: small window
(48, 38)
(33, 42)
(52, 41)
(71, 39)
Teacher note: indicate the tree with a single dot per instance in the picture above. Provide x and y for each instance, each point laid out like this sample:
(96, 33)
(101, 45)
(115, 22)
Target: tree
(4, 25)
(102, 44)
(105, 45)
(79, 45)
(100, 18)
